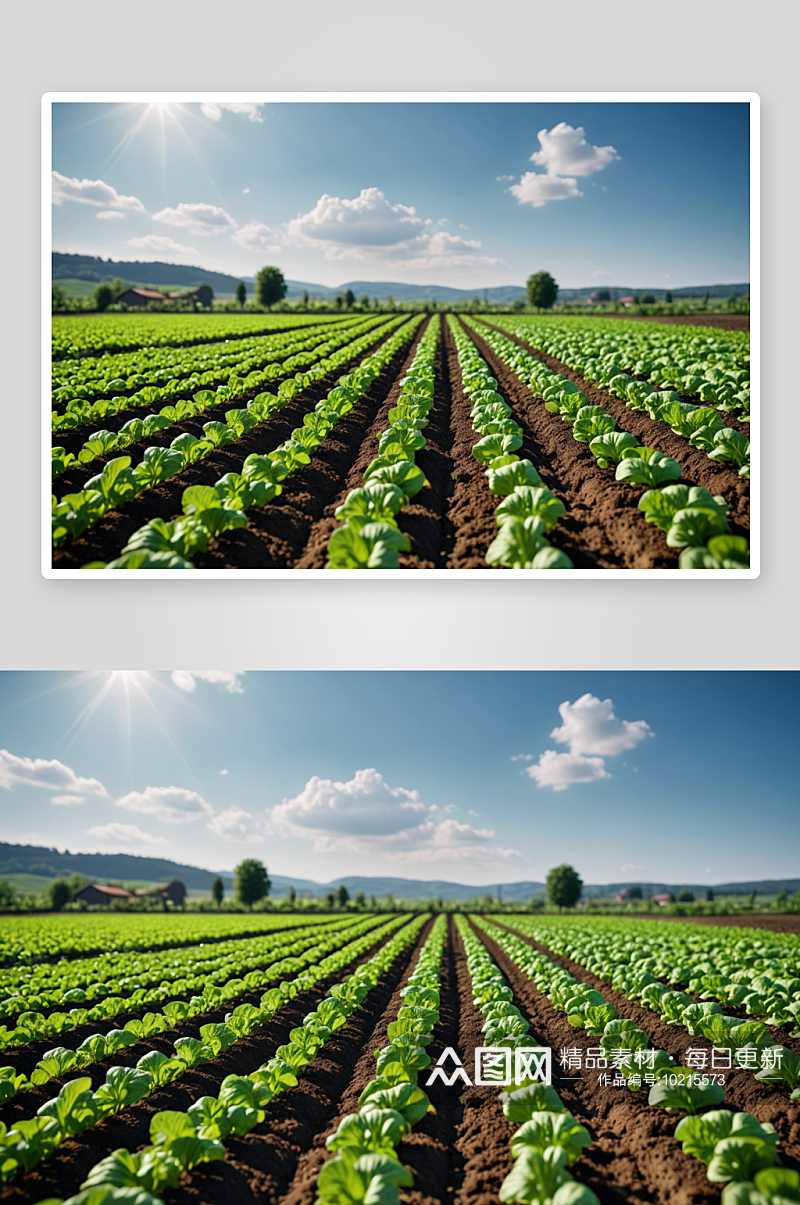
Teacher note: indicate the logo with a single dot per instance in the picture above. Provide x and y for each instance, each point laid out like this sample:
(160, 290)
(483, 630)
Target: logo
(496, 1065)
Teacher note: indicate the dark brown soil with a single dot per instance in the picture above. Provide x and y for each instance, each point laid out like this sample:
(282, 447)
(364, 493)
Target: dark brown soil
(62, 1174)
(696, 466)
(777, 924)
(602, 529)
(106, 540)
(725, 322)
(742, 1090)
(277, 535)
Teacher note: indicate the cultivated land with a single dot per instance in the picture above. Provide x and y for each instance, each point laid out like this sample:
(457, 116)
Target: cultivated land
(205, 1059)
(410, 442)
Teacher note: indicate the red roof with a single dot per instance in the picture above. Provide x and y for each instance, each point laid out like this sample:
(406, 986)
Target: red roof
(153, 294)
(112, 890)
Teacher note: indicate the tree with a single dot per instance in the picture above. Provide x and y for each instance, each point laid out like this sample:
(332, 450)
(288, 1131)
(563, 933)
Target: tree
(363, 302)
(338, 301)
(710, 894)
(59, 894)
(373, 903)
(330, 900)
(270, 286)
(751, 899)
(635, 893)
(518, 303)
(8, 895)
(349, 299)
(342, 895)
(291, 896)
(647, 299)
(564, 887)
(241, 294)
(668, 297)
(603, 295)
(251, 881)
(704, 302)
(730, 304)
(304, 298)
(685, 896)
(218, 891)
(542, 290)
(360, 902)
(782, 898)
(59, 297)
(103, 297)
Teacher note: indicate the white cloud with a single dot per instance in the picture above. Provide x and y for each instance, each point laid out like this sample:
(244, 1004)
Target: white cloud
(522, 757)
(213, 110)
(366, 815)
(255, 236)
(197, 218)
(369, 227)
(562, 770)
(223, 772)
(67, 800)
(92, 192)
(537, 189)
(590, 726)
(109, 214)
(565, 152)
(170, 805)
(597, 275)
(236, 825)
(565, 156)
(50, 775)
(159, 244)
(187, 679)
(504, 177)
(593, 732)
(124, 834)
(245, 190)
(629, 866)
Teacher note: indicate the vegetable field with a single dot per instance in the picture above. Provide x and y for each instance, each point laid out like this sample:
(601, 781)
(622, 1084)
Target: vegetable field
(279, 1060)
(377, 441)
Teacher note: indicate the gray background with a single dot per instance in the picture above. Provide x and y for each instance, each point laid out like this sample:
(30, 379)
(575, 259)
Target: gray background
(390, 45)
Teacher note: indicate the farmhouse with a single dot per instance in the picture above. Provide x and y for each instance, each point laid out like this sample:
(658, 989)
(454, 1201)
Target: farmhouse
(202, 295)
(662, 898)
(98, 893)
(141, 297)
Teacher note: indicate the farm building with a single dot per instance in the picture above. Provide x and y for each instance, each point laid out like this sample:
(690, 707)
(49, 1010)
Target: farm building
(141, 297)
(98, 893)
(202, 295)
(662, 898)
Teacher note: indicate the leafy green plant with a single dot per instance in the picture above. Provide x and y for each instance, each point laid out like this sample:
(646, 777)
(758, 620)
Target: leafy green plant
(695, 525)
(591, 422)
(541, 1178)
(371, 546)
(505, 479)
(545, 1129)
(771, 1186)
(611, 447)
(660, 506)
(646, 466)
(683, 1088)
(528, 501)
(375, 502)
(721, 552)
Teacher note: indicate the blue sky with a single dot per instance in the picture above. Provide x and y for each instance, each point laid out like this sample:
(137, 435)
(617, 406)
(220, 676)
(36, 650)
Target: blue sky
(632, 194)
(474, 777)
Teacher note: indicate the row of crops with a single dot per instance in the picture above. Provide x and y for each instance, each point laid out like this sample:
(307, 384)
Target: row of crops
(380, 442)
(369, 1057)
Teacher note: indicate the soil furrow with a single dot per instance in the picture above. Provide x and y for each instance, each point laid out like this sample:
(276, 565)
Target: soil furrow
(696, 467)
(277, 536)
(603, 527)
(280, 1159)
(633, 1156)
(742, 1090)
(473, 505)
(62, 1174)
(368, 421)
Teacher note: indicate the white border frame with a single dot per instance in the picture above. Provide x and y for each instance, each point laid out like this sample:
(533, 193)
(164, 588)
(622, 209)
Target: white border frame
(750, 98)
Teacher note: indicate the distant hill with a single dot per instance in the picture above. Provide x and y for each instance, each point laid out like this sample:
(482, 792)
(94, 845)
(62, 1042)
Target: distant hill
(154, 272)
(47, 863)
(138, 272)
